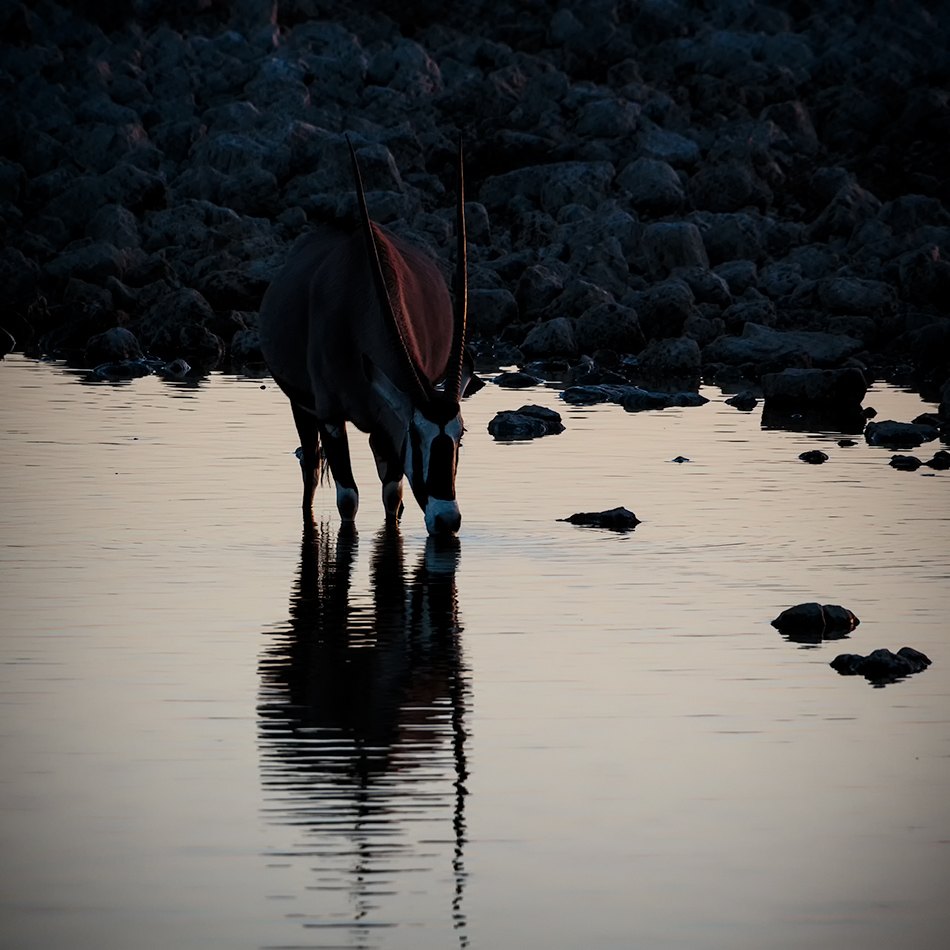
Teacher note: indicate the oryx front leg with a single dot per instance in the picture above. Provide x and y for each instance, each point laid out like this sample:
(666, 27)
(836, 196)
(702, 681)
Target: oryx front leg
(309, 452)
(389, 467)
(337, 450)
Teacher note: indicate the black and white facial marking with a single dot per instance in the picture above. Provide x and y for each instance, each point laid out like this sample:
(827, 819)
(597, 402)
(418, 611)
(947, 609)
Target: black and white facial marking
(430, 463)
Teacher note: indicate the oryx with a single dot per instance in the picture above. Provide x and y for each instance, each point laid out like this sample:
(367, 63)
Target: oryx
(359, 327)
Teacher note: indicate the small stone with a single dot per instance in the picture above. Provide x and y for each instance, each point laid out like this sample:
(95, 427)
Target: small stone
(814, 457)
(899, 435)
(940, 462)
(906, 463)
(846, 443)
(615, 519)
(529, 422)
(680, 459)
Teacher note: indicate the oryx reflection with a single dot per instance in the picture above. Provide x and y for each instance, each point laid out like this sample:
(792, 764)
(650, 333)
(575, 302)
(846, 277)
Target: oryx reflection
(363, 699)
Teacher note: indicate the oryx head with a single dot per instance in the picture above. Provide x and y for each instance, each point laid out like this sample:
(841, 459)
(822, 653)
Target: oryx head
(429, 416)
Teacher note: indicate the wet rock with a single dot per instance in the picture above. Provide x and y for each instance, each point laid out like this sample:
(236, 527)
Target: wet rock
(636, 400)
(615, 519)
(126, 369)
(516, 380)
(114, 346)
(528, 422)
(744, 401)
(905, 463)
(846, 443)
(899, 435)
(813, 622)
(940, 462)
(814, 457)
(833, 390)
(882, 667)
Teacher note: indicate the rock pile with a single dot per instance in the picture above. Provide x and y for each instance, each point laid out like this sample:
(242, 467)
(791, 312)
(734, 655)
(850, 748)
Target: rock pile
(739, 189)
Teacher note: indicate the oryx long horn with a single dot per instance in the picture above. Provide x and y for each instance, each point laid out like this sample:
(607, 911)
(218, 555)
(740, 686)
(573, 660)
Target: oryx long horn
(379, 278)
(453, 373)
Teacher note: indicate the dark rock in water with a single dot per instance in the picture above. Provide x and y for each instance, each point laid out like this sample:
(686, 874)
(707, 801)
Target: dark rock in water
(839, 390)
(616, 519)
(112, 346)
(674, 358)
(759, 344)
(528, 422)
(812, 623)
(846, 443)
(744, 401)
(176, 369)
(126, 369)
(882, 667)
(516, 380)
(899, 435)
(553, 338)
(906, 463)
(814, 457)
(680, 459)
(632, 398)
(940, 462)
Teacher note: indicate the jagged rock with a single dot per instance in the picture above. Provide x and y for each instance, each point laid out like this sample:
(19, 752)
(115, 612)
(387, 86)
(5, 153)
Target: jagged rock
(490, 311)
(671, 244)
(654, 187)
(609, 326)
(528, 422)
(759, 344)
(553, 338)
(615, 519)
(677, 358)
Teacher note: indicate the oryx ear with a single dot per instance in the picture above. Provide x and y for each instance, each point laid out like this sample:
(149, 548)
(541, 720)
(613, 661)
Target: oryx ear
(398, 401)
(470, 382)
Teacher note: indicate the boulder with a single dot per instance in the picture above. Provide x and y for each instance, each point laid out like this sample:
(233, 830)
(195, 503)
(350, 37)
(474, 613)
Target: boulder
(899, 435)
(882, 667)
(677, 358)
(654, 187)
(553, 338)
(831, 390)
(759, 344)
(112, 346)
(812, 622)
(671, 244)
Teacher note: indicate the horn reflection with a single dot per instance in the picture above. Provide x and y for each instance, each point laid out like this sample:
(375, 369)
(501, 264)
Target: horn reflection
(362, 709)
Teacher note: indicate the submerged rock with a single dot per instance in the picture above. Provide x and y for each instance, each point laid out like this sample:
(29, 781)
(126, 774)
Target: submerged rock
(814, 457)
(834, 390)
(881, 666)
(813, 622)
(906, 463)
(744, 401)
(528, 422)
(516, 380)
(616, 519)
(899, 435)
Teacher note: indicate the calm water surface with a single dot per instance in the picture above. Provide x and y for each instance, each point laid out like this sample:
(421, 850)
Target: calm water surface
(221, 731)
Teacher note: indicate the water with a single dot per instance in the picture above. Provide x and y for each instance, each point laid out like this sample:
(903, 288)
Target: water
(221, 731)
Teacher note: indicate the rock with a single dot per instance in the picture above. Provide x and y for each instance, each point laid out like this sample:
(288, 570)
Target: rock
(671, 244)
(670, 147)
(739, 275)
(882, 667)
(677, 358)
(832, 390)
(114, 346)
(812, 622)
(814, 457)
(528, 422)
(899, 435)
(744, 401)
(636, 400)
(516, 380)
(554, 338)
(609, 326)
(853, 295)
(728, 187)
(940, 462)
(127, 369)
(246, 347)
(490, 311)
(537, 288)
(664, 309)
(615, 519)
(759, 344)
(905, 463)
(654, 187)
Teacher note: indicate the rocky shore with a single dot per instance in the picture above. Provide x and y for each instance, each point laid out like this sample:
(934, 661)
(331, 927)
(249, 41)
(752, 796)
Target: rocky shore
(658, 190)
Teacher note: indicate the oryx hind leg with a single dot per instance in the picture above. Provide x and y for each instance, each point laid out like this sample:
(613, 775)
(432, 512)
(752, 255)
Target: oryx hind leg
(390, 474)
(309, 452)
(337, 450)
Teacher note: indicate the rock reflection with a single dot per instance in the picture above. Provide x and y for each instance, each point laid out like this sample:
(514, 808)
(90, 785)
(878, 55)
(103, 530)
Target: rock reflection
(362, 735)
